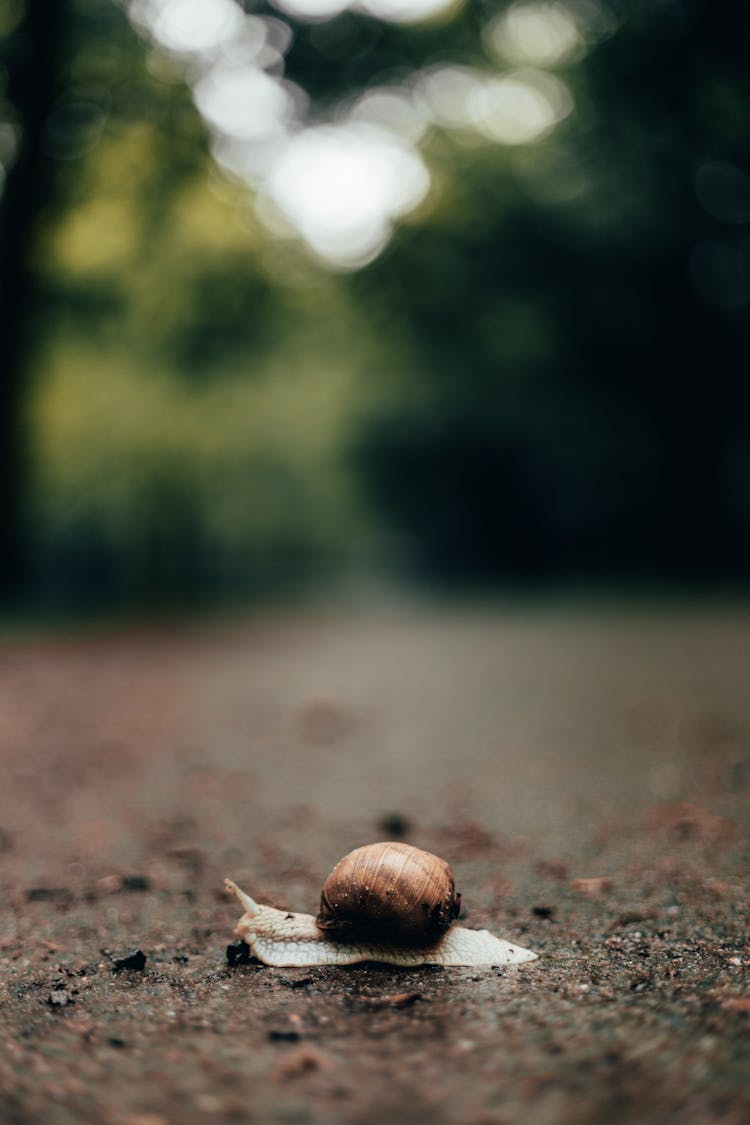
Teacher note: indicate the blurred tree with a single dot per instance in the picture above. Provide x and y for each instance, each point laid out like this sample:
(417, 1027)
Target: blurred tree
(103, 256)
(32, 51)
(543, 374)
(579, 314)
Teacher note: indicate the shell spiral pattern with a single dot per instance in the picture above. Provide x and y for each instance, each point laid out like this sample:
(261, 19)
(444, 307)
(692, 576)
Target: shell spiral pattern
(391, 888)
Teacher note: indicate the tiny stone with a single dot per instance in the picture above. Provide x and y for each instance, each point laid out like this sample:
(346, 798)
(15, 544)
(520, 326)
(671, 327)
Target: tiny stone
(399, 1000)
(238, 953)
(136, 883)
(395, 825)
(543, 911)
(109, 884)
(283, 1036)
(295, 982)
(302, 1061)
(59, 999)
(736, 1004)
(598, 885)
(402, 999)
(136, 960)
(49, 894)
(628, 917)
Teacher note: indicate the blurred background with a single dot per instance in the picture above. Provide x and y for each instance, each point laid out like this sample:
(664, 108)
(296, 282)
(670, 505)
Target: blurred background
(411, 333)
(446, 292)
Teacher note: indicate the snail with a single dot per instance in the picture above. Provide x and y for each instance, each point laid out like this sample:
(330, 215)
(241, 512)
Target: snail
(386, 902)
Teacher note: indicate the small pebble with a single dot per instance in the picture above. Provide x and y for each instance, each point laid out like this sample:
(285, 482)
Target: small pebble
(295, 982)
(238, 953)
(543, 911)
(58, 998)
(636, 914)
(736, 1004)
(60, 895)
(302, 1061)
(136, 883)
(135, 961)
(395, 825)
(109, 884)
(598, 885)
(399, 1000)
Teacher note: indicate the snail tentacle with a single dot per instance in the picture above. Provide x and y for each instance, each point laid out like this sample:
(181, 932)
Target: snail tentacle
(250, 905)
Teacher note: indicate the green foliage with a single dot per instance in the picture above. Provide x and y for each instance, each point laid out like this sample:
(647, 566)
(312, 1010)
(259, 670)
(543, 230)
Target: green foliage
(190, 396)
(580, 390)
(544, 373)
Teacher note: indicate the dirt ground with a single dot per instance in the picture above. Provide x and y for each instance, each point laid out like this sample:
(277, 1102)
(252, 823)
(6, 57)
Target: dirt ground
(585, 771)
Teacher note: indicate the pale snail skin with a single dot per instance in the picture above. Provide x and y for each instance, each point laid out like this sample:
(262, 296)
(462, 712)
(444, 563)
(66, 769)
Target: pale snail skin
(281, 938)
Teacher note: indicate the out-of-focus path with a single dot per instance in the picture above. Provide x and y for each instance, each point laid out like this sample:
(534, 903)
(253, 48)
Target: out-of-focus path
(586, 772)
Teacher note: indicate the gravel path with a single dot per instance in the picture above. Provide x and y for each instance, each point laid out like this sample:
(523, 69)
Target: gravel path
(585, 771)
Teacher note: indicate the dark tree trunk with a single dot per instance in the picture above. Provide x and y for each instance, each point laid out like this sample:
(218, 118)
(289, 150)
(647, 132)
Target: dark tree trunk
(33, 56)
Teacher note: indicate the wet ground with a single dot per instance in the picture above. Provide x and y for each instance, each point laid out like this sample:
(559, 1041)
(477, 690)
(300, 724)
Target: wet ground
(585, 771)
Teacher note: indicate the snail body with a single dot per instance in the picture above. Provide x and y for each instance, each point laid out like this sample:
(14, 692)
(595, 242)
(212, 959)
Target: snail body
(393, 904)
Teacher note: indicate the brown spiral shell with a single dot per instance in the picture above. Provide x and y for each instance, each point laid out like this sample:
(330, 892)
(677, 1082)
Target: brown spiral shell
(389, 891)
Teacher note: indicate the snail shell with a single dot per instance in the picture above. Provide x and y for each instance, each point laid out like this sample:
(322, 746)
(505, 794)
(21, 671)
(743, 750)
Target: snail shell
(389, 890)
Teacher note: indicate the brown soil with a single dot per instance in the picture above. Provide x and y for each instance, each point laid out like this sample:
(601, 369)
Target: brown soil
(586, 774)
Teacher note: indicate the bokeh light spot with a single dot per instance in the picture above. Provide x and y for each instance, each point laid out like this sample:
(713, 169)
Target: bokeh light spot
(312, 9)
(406, 11)
(342, 186)
(390, 109)
(339, 186)
(519, 109)
(539, 34)
(446, 93)
(193, 25)
(243, 102)
(393, 11)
